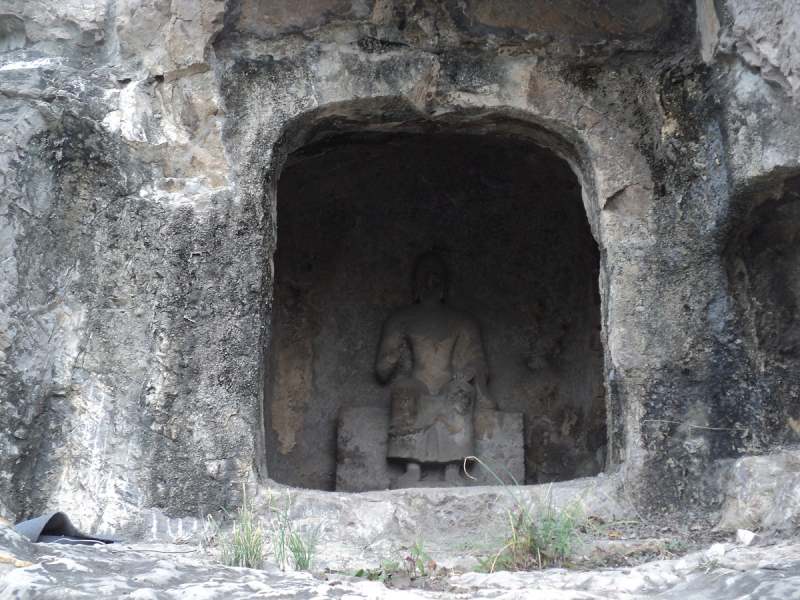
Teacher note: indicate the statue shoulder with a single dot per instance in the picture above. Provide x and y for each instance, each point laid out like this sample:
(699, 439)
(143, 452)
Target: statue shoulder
(465, 319)
(398, 318)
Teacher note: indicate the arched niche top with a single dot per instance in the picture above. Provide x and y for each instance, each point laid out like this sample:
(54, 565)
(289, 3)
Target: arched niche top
(391, 115)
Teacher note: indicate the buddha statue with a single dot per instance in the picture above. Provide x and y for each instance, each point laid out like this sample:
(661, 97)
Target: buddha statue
(432, 410)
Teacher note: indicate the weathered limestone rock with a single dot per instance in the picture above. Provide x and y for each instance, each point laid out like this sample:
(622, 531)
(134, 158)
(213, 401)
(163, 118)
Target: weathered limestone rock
(569, 19)
(173, 571)
(762, 493)
(141, 293)
(12, 33)
(765, 35)
(273, 17)
(80, 22)
(169, 38)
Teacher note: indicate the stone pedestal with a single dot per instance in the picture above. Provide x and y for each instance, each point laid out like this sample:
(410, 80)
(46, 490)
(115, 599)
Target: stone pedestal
(499, 444)
(362, 440)
(362, 443)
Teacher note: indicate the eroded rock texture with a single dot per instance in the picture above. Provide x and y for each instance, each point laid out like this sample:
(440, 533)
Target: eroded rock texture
(140, 211)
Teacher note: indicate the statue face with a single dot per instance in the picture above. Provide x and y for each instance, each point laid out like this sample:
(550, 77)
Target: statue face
(430, 279)
(430, 287)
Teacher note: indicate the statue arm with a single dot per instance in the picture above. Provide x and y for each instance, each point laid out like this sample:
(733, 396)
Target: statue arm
(470, 361)
(468, 351)
(390, 350)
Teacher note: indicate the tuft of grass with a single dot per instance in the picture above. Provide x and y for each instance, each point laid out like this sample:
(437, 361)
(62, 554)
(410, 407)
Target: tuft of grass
(290, 544)
(303, 546)
(706, 565)
(244, 546)
(546, 536)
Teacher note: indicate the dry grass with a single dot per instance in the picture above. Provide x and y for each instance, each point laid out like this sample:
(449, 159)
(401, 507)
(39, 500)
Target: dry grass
(537, 538)
(244, 546)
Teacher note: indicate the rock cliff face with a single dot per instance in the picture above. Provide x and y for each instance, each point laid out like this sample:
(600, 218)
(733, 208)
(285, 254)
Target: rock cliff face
(139, 216)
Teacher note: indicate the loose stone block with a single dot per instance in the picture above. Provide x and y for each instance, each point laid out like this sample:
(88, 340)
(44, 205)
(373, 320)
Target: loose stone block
(499, 445)
(361, 456)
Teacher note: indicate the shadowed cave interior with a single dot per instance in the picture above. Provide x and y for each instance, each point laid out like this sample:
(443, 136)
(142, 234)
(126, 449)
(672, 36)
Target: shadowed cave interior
(764, 271)
(355, 211)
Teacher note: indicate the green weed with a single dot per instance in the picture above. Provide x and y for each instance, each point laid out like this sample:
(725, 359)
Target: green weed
(707, 564)
(417, 560)
(411, 564)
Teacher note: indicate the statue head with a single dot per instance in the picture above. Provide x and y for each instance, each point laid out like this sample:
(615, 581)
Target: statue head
(430, 279)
